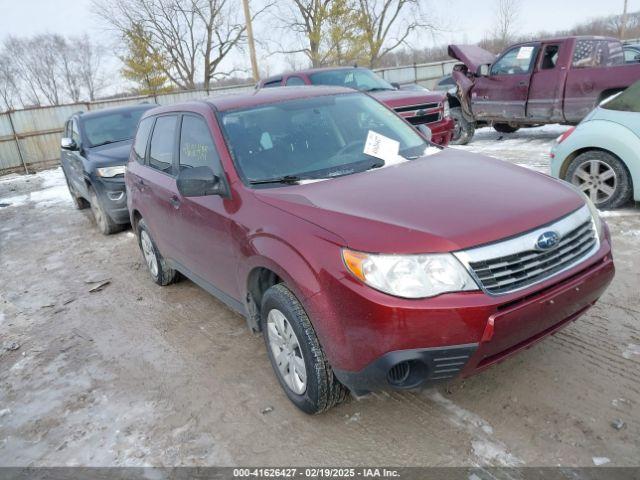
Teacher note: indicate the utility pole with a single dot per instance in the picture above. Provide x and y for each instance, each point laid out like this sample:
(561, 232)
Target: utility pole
(623, 20)
(252, 45)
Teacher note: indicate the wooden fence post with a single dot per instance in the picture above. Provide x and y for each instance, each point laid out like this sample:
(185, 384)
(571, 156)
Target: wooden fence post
(17, 140)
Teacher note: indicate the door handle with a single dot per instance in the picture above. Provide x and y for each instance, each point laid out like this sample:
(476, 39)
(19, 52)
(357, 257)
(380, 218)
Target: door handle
(174, 201)
(522, 83)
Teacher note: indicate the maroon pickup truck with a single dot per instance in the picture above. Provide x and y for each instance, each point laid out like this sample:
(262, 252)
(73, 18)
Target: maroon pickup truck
(417, 107)
(558, 80)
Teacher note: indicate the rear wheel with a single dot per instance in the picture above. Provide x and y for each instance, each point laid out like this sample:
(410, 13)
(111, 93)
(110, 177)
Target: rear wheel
(505, 128)
(296, 355)
(158, 268)
(602, 177)
(104, 222)
(463, 130)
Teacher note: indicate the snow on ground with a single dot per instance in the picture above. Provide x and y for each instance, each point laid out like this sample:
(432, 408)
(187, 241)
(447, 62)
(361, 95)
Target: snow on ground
(528, 147)
(52, 189)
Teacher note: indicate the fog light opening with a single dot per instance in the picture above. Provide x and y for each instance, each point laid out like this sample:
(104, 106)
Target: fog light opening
(398, 374)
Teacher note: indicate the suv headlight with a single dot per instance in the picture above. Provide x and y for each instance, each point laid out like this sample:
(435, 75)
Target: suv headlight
(447, 109)
(595, 214)
(109, 172)
(409, 276)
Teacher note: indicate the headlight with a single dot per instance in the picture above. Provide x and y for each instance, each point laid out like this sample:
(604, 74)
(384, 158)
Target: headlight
(447, 109)
(110, 171)
(409, 276)
(595, 214)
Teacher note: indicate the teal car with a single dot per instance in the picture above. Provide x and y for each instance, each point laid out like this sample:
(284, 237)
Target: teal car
(601, 156)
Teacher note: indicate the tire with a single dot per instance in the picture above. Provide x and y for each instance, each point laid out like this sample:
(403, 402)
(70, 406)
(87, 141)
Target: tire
(322, 390)
(607, 184)
(103, 221)
(162, 274)
(505, 128)
(78, 202)
(464, 130)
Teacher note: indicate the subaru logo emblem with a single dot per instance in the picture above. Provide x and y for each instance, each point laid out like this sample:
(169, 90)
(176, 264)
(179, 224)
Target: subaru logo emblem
(547, 240)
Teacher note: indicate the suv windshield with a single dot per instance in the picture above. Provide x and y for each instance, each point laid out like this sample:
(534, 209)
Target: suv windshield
(319, 137)
(356, 78)
(627, 101)
(111, 127)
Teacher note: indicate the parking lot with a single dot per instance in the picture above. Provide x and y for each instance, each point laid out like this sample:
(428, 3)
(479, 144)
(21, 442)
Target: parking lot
(99, 366)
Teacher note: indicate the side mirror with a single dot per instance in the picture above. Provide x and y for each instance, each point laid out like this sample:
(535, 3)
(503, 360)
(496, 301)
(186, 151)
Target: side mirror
(424, 131)
(483, 70)
(395, 85)
(68, 144)
(198, 182)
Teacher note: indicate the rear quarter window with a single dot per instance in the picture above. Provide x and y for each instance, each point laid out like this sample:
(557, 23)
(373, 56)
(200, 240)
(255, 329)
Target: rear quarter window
(591, 53)
(142, 138)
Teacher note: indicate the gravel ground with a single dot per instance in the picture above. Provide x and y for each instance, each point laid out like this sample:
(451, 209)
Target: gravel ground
(135, 374)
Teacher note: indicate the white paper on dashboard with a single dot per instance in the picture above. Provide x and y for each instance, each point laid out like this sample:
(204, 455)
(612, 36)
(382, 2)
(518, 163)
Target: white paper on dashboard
(381, 147)
(524, 53)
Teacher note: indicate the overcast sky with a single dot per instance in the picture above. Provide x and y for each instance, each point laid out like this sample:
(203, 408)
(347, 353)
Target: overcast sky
(468, 20)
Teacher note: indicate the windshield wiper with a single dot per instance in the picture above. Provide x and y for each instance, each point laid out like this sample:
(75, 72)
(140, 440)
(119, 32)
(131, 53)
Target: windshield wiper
(378, 89)
(108, 142)
(290, 179)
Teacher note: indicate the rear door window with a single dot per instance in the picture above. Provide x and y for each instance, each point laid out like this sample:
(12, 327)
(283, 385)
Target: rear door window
(592, 53)
(197, 148)
(549, 58)
(162, 144)
(142, 138)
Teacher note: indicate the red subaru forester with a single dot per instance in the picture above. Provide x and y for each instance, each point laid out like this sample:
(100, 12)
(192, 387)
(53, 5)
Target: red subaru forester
(368, 257)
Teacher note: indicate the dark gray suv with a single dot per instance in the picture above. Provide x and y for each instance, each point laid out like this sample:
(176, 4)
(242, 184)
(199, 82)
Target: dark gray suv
(94, 150)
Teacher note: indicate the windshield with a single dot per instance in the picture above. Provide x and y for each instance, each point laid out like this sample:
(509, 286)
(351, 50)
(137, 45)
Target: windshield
(356, 78)
(627, 101)
(319, 137)
(111, 127)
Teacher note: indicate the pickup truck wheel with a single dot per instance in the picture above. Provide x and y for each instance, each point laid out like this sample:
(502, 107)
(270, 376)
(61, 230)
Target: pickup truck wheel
(158, 268)
(463, 130)
(602, 177)
(296, 355)
(104, 222)
(505, 128)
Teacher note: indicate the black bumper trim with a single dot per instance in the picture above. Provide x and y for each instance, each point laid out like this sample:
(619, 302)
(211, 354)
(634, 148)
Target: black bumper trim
(428, 367)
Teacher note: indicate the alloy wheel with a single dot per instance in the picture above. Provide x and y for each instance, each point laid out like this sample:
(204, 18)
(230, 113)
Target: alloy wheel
(596, 179)
(149, 253)
(286, 351)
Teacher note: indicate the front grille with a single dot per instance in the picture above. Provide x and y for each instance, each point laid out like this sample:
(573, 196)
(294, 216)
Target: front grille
(415, 108)
(516, 263)
(419, 120)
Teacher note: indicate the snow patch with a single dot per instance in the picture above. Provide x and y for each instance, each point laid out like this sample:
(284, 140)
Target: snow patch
(53, 189)
(487, 449)
(631, 351)
(600, 460)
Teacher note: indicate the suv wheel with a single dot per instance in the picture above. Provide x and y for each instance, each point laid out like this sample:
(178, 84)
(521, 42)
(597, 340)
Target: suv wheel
(160, 272)
(602, 177)
(104, 222)
(296, 355)
(464, 130)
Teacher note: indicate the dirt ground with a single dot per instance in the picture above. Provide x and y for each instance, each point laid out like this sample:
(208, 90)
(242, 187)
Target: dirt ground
(135, 374)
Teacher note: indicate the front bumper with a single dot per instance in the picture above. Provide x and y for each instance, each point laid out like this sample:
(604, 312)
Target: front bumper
(376, 342)
(113, 197)
(441, 131)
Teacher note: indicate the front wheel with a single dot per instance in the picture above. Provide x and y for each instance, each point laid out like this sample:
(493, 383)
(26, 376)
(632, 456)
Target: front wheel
(296, 355)
(103, 221)
(463, 130)
(602, 177)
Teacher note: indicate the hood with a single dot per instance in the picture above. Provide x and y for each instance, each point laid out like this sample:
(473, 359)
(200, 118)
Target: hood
(471, 55)
(110, 155)
(445, 202)
(403, 98)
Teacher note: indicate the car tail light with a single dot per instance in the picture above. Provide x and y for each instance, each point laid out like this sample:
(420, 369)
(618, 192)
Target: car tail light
(565, 135)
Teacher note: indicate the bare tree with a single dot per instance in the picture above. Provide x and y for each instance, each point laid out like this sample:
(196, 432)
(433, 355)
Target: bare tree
(388, 24)
(194, 36)
(506, 22)
(9, 84)
(90, 58)
(325, 31)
